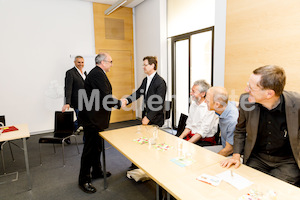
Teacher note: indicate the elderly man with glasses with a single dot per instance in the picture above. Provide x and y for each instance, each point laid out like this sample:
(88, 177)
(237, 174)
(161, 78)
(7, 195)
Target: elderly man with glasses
(267, 133)
(95, 117)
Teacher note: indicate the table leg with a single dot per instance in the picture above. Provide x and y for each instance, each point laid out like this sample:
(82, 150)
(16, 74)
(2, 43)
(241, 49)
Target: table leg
(160, 194)
(104, 164)
(2, 156)
(27, 163)
(157, 191)
(168, 196)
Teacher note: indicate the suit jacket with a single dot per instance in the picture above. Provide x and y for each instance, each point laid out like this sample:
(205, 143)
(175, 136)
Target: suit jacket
(157, 87)
(73, 83)
(246, 130)
(97, 111)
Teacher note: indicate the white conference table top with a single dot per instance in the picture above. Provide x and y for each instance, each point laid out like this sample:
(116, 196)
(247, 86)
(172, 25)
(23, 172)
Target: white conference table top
(22, 132)
(181, 182)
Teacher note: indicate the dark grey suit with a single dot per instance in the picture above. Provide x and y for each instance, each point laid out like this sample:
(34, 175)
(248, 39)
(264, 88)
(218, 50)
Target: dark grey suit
(73, 83)
(246, 130)
(157, 87)
(94, 121)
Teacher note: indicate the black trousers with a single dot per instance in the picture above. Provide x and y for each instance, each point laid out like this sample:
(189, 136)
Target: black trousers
(284, 168)
(204, 143)
(90, 158)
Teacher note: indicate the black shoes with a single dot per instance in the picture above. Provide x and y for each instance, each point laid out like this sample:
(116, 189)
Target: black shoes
(88, 188)
(101, 175)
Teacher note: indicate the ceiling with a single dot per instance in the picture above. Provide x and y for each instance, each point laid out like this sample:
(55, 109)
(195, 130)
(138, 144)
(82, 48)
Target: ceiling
(129, 3)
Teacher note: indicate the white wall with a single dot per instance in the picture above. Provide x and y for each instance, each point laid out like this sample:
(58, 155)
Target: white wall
(37, 38)
(219, 46)
(191, 15)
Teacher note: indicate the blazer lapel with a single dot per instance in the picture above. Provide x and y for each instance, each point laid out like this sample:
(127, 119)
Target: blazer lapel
(107, 81)
(145, 86)
(254, 121)
(291, 119)
(78, 74)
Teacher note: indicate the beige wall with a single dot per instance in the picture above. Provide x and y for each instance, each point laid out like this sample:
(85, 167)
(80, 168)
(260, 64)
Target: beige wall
(261, 32)
(114, 35)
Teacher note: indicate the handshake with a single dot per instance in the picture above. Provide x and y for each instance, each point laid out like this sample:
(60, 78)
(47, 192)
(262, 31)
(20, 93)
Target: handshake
(145, 120)
(124, 102)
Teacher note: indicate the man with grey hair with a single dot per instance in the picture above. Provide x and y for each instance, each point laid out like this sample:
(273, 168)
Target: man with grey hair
(95, 117)
(74, 81)
(201, 124)
(217, 100)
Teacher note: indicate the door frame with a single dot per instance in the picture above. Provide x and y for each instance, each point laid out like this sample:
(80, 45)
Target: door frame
(187, 36)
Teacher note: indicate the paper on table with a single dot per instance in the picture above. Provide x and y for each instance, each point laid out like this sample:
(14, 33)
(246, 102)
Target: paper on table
(162, 147)
(212, 180)
(234, 179)
(141, 140)
(182, 162)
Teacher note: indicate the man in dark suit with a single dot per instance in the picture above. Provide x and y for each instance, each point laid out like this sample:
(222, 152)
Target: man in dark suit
(95, 117)
(267, 133)
(153, 89)
(74, 81)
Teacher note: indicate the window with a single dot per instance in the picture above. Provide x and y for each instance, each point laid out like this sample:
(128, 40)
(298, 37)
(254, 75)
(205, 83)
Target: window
(192, 59)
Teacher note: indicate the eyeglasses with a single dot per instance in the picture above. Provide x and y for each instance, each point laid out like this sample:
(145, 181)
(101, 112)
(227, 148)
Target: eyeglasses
(251, 89)
(108, 61)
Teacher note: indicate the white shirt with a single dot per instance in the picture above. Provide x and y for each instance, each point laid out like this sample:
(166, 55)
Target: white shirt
(82, 74)
(149, 79)
(201, 120)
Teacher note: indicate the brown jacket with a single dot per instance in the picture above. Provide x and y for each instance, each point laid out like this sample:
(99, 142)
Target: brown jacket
(246, 130)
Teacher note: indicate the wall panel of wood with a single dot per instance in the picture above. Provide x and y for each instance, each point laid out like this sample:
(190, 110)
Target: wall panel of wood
(114, 35)
(258, 33)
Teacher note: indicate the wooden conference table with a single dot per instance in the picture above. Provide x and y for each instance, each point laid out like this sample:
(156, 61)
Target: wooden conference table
(181, 182)
(21, 133)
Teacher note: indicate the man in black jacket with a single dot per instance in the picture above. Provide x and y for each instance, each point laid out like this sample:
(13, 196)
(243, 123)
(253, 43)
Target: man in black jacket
(95, 117)
(267, 133)
(74, 81)
(153, 88)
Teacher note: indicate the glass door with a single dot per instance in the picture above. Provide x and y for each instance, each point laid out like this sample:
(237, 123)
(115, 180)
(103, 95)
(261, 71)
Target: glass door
(192, 59)
(182, 74)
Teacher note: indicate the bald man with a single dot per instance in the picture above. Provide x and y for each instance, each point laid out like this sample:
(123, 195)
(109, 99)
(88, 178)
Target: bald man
(217, 100)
